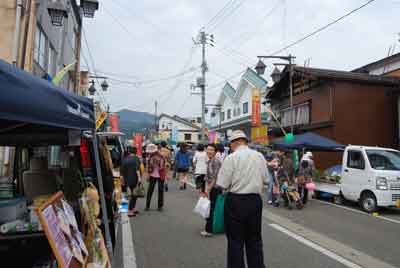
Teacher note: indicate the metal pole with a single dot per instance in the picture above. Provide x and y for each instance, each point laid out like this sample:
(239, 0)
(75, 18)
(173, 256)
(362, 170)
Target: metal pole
(26, 31)
(102, 198)
(15, 48)
(203, 87)
(291, 93)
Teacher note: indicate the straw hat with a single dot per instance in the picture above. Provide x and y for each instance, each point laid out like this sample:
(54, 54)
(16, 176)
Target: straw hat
(151, 148)
(237, 134)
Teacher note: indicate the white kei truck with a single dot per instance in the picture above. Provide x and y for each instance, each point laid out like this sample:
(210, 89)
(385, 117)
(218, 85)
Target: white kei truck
(369, 176)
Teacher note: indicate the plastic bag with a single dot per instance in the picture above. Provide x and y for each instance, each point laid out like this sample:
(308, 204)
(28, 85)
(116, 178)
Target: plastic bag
(218, 219)
(203, 207)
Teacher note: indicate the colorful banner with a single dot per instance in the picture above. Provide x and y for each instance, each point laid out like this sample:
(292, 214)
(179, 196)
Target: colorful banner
(137, 140)
(256, 108)
(100, 120)
(114, 122)
(60, 75)
(259, 135)
(212, 136)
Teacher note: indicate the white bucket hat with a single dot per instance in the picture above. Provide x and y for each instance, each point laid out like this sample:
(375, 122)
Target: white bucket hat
(237, 134)
(151, 148)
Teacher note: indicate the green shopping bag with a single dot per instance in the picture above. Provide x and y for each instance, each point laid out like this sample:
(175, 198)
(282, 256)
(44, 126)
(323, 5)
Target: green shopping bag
(218, 219)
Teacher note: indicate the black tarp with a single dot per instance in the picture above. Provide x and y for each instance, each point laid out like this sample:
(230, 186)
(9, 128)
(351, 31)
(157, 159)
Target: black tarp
(33, 110)
(309, 141)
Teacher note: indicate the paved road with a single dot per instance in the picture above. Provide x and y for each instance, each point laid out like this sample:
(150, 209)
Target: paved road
(171, 238)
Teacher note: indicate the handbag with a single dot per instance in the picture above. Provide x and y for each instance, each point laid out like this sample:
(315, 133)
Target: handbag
(139, 191)
(203, 207)
(218, 219)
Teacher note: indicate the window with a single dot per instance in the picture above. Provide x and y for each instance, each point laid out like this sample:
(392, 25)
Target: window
(229, 114)
(222, 116)
(301, 115)
(384, 159)
(245, 108)
(51, 61)
(40, 48)
(188, 137)
(234, 112)
(355, 160)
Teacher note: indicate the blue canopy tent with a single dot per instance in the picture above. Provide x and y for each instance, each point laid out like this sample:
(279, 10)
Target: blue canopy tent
(34, 111)
(309, 141)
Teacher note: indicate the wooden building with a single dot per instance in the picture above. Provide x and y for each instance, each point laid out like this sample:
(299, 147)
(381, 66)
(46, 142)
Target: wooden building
(348, 107)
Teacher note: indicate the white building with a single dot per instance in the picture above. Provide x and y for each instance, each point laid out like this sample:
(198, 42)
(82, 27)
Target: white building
(187, 131)
(236, 104)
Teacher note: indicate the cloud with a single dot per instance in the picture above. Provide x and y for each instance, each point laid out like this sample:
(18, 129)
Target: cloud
(153, 39)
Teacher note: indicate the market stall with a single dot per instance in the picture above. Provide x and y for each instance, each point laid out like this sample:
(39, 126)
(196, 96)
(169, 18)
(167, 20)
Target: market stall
(308, 141)
(45, 125)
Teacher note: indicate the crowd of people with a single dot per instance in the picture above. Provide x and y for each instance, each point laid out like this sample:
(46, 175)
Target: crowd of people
(240, 174)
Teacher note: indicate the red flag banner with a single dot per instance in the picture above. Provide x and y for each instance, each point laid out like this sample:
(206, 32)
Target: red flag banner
(256, 108)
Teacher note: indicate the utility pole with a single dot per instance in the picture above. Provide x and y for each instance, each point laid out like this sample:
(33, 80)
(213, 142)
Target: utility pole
(203, 40)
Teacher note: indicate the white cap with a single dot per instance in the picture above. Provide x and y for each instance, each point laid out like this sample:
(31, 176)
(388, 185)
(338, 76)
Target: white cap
(237, 134)
(151, 148)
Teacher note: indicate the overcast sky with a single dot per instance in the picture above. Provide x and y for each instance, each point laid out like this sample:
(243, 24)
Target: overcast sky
(147, 43)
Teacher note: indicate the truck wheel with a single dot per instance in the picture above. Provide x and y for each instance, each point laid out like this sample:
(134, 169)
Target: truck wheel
(368, 202)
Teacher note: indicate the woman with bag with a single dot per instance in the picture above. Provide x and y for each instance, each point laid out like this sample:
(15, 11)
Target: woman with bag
(213, 166)
(130, 174)
(157, 172)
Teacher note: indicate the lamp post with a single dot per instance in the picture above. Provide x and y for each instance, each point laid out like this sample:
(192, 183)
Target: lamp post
(260, 69)
(104, 85)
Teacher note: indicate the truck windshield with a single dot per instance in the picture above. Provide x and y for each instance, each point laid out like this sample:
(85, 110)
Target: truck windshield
(384, 159)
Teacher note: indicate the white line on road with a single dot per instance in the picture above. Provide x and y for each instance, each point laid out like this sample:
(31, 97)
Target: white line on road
(127, 243)
(358, 211)
(316, 247)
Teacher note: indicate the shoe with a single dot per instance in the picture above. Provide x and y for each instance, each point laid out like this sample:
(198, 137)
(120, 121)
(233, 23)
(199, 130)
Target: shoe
(131, 213)
(160, 209)
(166, 188)
(270, 202)
(184, 186)
(205, 234)
(136, 212)
(180, 187)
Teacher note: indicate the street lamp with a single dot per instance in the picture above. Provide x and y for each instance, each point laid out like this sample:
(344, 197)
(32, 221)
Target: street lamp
(57, 12)
(92, 89)
(89, 7)
(260, 68)
(104, 85)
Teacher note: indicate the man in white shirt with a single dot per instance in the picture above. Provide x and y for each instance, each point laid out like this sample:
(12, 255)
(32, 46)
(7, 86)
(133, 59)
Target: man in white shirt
(243, 174)
(200, 168)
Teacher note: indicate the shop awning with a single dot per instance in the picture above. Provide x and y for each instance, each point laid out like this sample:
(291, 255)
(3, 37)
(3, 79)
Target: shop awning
(35, 108)
(309, 141)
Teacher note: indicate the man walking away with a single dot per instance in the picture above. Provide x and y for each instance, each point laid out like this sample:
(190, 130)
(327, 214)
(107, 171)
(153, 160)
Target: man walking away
(200, 168)
(182, 161)
(130, 173)
(243, 174)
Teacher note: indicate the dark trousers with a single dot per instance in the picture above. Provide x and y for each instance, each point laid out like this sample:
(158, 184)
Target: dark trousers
(150, 190)
(243, 216)
(303, 191)
(213, 199)
(132, 199)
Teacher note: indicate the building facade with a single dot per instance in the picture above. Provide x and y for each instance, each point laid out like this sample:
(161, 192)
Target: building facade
(186, 130)
(235, 104)
(33, 43)
(348, 107)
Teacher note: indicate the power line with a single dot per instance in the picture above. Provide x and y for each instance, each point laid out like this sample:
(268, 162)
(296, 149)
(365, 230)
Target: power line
(322, 28)
(226, 15)
(141, 82)
(219, 13)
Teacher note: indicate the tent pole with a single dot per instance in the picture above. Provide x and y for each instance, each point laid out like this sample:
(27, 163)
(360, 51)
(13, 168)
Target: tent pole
(102, 198)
